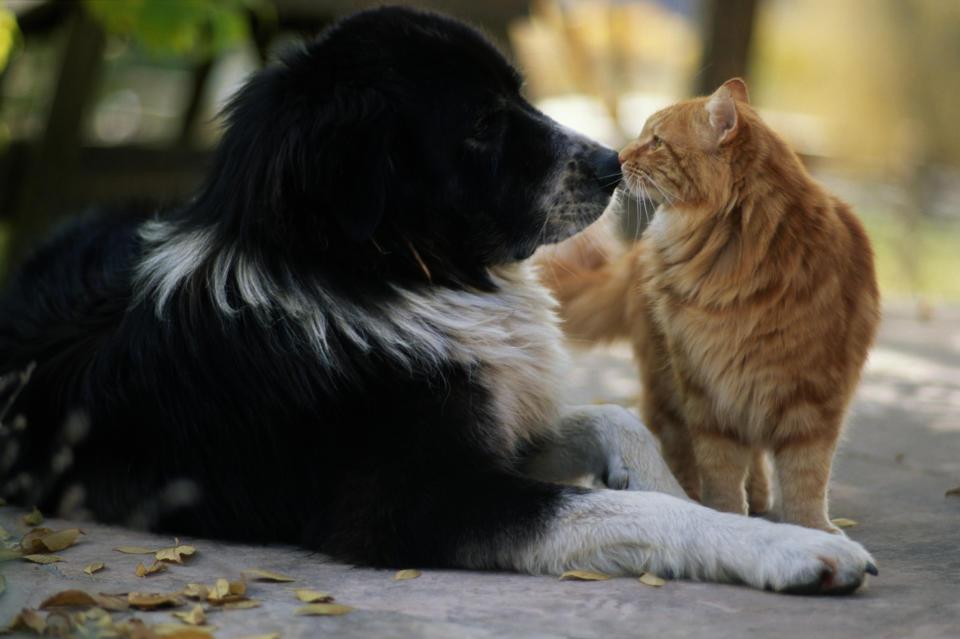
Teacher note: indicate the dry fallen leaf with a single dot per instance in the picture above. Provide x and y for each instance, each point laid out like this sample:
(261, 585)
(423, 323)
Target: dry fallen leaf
(150, 601)
(156, 567)
(43, 559)
(195, 617)
(583, 575)
(323, 609)
(94, 567)
(175, 553)
(196, 591)
(952, 491)
(59, 540)
(81, 598)
(31, 541)
(221, 590)
(225, 591)
(172, 630)
(34, 518)
(313, 596)
(30, 620)
(134, 550)
(841, 522)
(410, 573)
(651, 580)
(267, 575)
(242, 604)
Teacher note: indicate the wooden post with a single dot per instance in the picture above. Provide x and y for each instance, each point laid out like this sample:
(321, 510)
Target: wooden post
(728, 28)
(51, 161)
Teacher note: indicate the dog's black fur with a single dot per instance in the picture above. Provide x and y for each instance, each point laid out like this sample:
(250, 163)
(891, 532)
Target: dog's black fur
(181, 379)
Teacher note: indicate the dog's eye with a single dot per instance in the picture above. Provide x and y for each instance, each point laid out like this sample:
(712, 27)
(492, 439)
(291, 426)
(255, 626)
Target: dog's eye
(483, 127)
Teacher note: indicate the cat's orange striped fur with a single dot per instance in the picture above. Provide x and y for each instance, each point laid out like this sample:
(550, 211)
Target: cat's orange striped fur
(751, 302)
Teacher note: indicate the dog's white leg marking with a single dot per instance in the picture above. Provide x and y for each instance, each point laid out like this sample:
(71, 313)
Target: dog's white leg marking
(626, 532)
(608, 442)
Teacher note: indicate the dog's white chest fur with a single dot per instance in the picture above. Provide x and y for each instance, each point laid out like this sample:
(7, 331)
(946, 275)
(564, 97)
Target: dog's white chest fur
(513, 339)
(511, 336)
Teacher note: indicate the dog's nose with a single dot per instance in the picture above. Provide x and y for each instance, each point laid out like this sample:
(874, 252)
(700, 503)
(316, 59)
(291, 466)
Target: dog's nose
(605, 165)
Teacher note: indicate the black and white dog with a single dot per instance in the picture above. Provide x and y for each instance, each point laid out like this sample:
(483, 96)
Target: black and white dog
(338, 342)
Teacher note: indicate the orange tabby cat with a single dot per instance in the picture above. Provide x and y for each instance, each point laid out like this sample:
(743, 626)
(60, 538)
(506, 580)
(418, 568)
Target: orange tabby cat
(751, 302)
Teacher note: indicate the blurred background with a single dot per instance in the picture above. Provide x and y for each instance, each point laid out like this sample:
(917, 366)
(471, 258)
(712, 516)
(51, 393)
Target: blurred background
(117, 100)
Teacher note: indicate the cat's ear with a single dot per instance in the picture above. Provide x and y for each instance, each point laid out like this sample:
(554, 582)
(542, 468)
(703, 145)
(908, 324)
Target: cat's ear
(723, 115)
(738, 89)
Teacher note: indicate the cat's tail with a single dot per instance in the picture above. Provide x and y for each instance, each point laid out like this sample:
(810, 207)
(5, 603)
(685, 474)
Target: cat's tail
(596, 283)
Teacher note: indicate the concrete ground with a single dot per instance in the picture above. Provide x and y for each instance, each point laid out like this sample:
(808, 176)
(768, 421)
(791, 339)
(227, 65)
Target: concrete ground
(901, 455)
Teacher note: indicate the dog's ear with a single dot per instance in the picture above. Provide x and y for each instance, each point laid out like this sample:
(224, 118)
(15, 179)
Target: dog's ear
(356, 163)
(292, 151)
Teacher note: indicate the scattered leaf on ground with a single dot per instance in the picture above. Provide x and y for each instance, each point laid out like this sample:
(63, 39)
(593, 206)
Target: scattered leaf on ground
(267, 575)
(94, 567)
(59, 540)
(81, 598)
(323, 609)
(156, 567)
(225, 591)
(31, 541)
(841, 522)
(242, 604)
(220, 590)
(175, 553)
(583, 575)
(651, 580)
(196, 591)
(34, 518)
(952, 491)
(313, 596)
(29, 620)
(134, 550)
(43, 559)
(196, 617)
(149, 601)
(171, 630)
(410, 573)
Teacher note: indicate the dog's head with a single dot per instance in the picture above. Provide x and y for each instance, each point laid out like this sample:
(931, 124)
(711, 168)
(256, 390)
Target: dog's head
(401, 135)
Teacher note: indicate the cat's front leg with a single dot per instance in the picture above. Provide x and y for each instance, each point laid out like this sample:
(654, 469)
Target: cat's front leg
(803, 468)
(723, 462)
(607, 442)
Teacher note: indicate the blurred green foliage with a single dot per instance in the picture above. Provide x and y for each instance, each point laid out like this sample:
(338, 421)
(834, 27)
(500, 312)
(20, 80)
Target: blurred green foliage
(198, 29)
(9, 34)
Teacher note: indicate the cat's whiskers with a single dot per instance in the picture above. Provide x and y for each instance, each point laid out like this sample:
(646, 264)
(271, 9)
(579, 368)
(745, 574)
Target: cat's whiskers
(667, 198)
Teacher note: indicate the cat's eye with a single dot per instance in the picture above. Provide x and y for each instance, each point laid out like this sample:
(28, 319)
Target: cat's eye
(657, 142)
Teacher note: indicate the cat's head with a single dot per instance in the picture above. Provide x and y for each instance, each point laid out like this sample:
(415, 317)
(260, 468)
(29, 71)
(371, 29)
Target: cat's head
(686, 155)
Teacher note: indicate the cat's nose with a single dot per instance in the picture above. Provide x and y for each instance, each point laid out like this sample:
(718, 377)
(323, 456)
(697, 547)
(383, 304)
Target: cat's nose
(605, 165)
(625, 152)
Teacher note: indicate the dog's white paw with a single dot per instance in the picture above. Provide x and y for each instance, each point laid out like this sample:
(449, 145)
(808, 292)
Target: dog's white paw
(787, 558)
(632, 452)
(627, 532)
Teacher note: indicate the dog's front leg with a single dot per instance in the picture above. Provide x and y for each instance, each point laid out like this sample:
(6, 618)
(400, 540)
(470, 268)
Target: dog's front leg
(607, 442)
